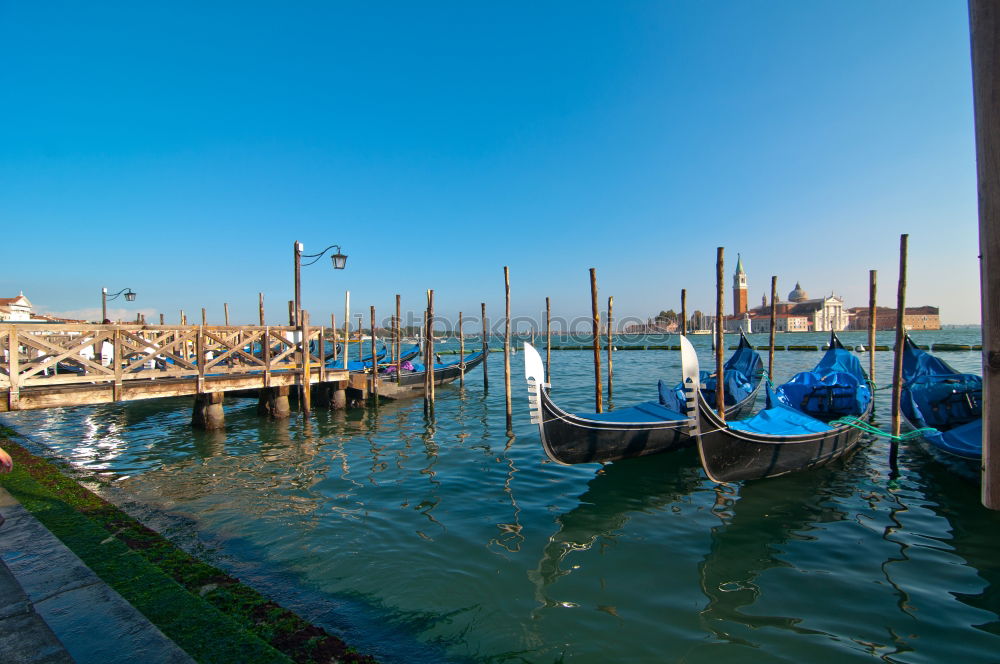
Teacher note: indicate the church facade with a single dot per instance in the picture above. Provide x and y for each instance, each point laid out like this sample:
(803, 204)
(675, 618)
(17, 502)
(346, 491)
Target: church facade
(799, 314)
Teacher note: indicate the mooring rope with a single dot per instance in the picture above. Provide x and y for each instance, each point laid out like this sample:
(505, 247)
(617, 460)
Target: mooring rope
(875, 431)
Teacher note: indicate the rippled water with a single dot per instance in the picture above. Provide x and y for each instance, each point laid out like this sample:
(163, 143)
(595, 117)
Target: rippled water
(447, 540)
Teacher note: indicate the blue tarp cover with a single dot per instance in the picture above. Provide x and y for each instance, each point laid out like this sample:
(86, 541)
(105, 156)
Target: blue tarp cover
(649, 411)
(739, 371)
(935, 395)
(780, 421)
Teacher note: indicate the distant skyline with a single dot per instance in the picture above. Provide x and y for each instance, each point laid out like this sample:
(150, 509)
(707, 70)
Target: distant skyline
(179, 150)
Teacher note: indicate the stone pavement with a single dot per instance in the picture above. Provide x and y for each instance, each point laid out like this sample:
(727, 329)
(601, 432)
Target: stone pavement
(54, 609)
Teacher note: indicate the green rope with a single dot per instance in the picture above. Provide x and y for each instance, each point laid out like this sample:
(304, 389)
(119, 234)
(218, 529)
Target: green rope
(875, 431)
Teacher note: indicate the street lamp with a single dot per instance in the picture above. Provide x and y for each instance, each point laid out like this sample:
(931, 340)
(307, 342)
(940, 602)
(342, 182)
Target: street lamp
(127, 292)
(339, 260)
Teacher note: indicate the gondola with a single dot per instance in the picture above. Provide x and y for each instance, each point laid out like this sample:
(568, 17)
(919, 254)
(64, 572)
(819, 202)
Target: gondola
(650, 427)
(936, 396)
(798, 429)
(411, 380)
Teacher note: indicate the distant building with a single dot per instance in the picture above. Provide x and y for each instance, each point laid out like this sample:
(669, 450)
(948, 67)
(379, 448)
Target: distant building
(15, 309)
(740, 289)
(914, 318)
(799, 314)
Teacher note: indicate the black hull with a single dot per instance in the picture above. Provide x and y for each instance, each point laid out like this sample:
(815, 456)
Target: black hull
(572, 439)
(730, 456)
(411, 383)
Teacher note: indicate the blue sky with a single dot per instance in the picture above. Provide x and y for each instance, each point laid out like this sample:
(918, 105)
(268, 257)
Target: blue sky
(179, 149)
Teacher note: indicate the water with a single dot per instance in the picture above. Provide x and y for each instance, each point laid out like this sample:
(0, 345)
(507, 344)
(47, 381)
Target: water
(440, 541)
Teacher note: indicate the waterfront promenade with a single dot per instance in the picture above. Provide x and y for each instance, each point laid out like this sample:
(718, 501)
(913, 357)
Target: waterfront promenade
(54, 609)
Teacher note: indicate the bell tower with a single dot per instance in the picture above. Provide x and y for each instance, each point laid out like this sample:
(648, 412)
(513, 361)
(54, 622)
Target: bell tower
(740, 289)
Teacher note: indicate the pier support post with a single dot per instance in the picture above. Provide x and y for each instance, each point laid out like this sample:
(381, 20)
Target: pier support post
(338, 399)
(274, 402)
(208, 414)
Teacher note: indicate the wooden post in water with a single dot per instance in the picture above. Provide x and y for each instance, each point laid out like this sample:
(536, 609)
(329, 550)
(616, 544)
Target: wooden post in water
(361, 333)
(486, 348)
(225, 312)
(984, 20)
(374, 388)
(305, 396)
(347, 327)
(461, 352)
(684, 312)
(424, 353)
(548, 339)
(291, 313)
(872, 311)
(897, 367)
(774, 324)
(204, 316)
(430, 346)
(399, 341)
(596, 328)
(260, 308)
(720, 333)
(611, 370)
(333, 334)
(184, 320)
(506, 347)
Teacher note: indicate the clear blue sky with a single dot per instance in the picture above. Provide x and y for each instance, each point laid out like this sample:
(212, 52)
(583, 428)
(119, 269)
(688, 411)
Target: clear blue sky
(180, 148)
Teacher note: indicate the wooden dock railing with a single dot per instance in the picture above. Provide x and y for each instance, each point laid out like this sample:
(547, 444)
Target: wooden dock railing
(45, 365)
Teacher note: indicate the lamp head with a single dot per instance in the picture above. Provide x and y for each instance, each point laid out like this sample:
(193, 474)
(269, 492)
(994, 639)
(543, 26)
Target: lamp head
(339, 260)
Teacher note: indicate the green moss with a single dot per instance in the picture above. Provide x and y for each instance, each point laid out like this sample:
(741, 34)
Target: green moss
(208, 613)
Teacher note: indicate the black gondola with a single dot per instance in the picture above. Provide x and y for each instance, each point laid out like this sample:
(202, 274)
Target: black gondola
(798, 429)
(411, 379)
(647, 428)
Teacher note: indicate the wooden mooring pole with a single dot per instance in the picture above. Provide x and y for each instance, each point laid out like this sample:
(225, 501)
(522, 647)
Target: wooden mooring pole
(596, 328)
(399, 340)
(347, 327)
(225, 312)
(305, 394)
(374, 382)
(548, 339)
(872, 312)
(684, 312)
(260, 308)
(333, 334)
(461, 353)
(720, 330)
(162, 320)
(984, 21)
(429, 362)
(897, 366)
(204, 316)
(774, 324)
(506, 347)
(611, 370)
(486, 348)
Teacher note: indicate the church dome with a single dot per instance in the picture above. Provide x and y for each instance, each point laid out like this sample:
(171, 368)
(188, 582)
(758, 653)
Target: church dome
(797, 295)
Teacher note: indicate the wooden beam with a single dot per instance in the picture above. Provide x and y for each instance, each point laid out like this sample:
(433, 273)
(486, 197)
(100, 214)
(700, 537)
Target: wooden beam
(720, 332)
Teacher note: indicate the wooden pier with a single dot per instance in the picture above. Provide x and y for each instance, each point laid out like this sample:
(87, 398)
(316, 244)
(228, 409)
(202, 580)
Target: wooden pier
(52, 365)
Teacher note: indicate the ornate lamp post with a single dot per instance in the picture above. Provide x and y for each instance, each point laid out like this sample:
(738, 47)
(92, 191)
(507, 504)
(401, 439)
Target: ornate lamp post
(127, 292)
(339, 260)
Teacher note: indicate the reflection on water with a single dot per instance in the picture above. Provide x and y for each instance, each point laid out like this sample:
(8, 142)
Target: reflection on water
(431, 539)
